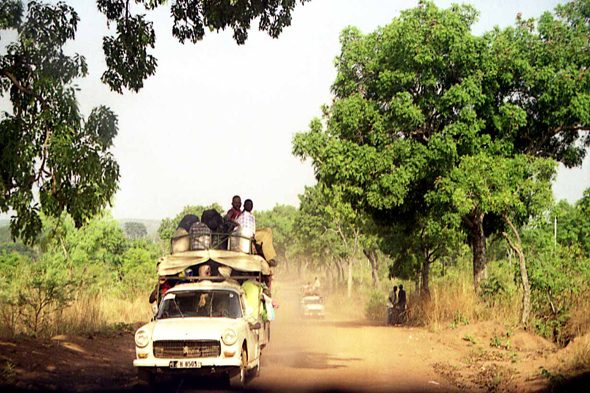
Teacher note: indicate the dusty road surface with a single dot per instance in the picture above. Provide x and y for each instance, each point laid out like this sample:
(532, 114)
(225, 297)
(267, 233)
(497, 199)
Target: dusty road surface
(338, 353)
(343, 354)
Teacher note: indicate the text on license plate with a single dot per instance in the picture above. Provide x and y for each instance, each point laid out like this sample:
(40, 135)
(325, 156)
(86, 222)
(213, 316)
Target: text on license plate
(185, 364)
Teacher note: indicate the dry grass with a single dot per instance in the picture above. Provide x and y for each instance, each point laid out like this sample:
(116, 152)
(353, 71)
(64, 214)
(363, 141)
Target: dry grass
(578, 323)
(453, 303)
(579, 358)
(87, 315)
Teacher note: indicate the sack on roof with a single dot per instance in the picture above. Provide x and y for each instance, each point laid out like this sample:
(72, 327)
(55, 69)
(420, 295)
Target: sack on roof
(200, 236)
(180, 241)
(187, 222)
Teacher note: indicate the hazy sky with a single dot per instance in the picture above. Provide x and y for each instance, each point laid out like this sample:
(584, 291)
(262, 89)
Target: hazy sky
(217, 119)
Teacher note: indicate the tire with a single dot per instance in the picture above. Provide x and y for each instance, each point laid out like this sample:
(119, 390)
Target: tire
(255, 372)
(237, 379)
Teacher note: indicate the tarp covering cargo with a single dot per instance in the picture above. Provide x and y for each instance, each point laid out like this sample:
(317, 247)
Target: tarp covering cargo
(176, 263)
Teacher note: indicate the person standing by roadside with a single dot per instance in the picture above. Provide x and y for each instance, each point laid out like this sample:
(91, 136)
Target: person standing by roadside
(392, 308)
(401, 304)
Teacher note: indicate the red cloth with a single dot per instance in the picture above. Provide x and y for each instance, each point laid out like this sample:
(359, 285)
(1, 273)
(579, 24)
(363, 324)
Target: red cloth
(233, 213)
(165, 287)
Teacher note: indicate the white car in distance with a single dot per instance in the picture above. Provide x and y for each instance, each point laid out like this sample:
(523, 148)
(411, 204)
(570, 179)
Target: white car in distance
(201, 329)
(312, 307)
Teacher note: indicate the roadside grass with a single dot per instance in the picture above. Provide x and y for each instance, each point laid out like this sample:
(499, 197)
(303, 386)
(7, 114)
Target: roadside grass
(87, 315)
(578, 323)
(453, 303)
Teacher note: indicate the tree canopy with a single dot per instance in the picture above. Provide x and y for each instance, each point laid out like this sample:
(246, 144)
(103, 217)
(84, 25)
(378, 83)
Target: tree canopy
(52, 158)
(422, 104)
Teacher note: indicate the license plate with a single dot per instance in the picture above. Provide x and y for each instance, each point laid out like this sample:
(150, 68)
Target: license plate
(185, 364)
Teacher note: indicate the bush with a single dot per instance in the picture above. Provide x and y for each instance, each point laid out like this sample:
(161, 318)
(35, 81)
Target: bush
(31, 293)
(376, 308)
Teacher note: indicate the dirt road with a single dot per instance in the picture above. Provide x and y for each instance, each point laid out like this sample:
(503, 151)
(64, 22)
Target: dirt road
(334, 354)
(342, 354)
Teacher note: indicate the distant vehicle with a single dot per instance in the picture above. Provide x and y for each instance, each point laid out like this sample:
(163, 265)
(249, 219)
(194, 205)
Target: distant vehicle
(312, 307)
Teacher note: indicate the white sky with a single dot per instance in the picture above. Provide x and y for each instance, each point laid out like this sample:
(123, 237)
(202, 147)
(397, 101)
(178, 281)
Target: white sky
(217, 119)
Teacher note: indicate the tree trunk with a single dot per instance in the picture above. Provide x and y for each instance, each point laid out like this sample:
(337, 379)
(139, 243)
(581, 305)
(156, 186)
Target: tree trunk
(478, 245)
(329, 276)
(417, 283)
(349, 284)
(524, 277)
(374, 261)
(361, 264)
(425, 288)
(340, 271)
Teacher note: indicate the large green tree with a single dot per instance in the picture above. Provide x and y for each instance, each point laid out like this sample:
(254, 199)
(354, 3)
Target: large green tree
(415, 99)
(51, 157)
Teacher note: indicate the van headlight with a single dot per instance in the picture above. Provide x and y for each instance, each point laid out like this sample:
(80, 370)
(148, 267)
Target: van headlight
(142, 338)
(229, 337)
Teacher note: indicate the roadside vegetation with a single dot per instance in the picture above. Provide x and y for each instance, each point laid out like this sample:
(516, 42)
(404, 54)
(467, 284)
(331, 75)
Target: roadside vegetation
(434, 165)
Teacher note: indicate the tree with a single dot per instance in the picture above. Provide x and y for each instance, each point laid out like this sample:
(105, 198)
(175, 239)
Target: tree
(338, 223)
(415, 99)
(281, 219)
(126, 54)
(514, 189)
(52, 158)
(135, 230)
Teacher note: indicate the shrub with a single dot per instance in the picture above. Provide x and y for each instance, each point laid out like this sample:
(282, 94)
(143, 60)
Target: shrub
(376, 308)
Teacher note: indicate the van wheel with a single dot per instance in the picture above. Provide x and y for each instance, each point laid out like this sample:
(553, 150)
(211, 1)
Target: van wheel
(255, 372)
(237, 379)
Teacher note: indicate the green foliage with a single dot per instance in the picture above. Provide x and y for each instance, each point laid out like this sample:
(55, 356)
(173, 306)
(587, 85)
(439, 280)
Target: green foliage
(459, 320)
(469, 339)
(96, 258)
(558, 273)
(495, 341)
(8, 372)
(128, 62)
(428, 117)
(31, 292)
(376, 307)
(135, 230)
(51, 158)
(282, 221)
(45, 143)
(492, 290)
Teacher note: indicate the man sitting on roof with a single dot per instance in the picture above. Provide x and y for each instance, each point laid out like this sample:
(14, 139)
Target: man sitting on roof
(235, 212)
(247, 220)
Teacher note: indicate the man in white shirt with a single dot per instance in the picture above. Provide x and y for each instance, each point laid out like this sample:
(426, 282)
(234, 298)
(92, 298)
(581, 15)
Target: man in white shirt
(247, 220)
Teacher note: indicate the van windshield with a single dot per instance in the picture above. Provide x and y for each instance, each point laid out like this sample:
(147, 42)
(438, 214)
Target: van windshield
(209, 304)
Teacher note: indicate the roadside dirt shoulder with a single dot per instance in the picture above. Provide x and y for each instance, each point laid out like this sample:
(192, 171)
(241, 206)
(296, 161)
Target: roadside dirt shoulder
(68, 363)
